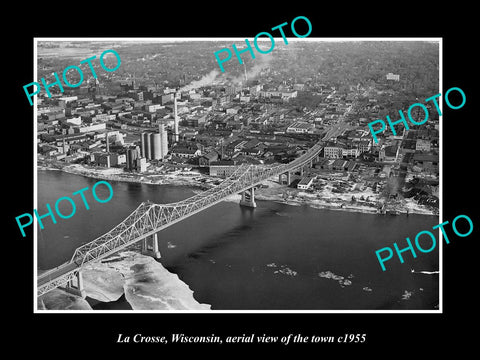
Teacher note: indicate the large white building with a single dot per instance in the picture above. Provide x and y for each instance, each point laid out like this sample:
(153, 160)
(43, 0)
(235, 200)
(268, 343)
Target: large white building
(305, 183)
(391, 76)
(332, 152)
(338, 151)
(75, 121)
(91, 127)
(300, 127)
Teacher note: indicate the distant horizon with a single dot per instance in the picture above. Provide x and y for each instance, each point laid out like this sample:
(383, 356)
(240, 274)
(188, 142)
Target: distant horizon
(433, 40)
(41, 50)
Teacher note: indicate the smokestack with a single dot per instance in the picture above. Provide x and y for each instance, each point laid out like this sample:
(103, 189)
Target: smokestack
(245, 70)
(108, 149)
(64, 152)
(175, 115)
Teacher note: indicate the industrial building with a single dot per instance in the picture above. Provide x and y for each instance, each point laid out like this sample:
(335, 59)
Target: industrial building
(134, 160)
(154, 146)
(222, 168)
(132, 156)
(305, 183)
(145, 145)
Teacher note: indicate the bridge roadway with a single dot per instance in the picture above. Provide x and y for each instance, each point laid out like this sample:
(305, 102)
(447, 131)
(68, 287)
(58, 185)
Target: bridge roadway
(150, 218)
(55, 273)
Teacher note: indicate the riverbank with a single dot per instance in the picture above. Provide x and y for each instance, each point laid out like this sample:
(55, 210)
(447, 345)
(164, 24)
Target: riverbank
(366, 201)
(327, 196)
(155, 176)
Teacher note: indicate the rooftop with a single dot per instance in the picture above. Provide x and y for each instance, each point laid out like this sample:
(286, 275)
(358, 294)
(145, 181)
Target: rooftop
(425, 157)
(306, 180)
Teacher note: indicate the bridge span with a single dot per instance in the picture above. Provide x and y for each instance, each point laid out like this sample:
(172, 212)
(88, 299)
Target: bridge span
(149, 218)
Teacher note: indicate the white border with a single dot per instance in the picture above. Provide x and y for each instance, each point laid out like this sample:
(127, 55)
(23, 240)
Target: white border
(438, 40)
(440, 161)
(35, 181)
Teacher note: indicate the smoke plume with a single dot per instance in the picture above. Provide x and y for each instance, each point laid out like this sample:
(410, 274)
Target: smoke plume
(260, 63)
(205, 80)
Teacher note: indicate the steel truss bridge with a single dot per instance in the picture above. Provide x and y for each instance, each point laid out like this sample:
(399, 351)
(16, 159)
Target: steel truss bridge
(149, 218)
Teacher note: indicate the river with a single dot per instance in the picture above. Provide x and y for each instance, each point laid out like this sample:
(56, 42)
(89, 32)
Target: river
(273, 257)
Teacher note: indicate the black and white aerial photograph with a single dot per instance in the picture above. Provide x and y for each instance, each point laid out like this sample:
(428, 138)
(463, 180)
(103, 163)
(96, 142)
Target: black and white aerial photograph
(202, 178)
(259, 187)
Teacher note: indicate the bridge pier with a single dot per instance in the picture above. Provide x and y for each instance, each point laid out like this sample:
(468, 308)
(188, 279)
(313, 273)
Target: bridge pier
(248, 198)
(76, 287)
(150, 246)
(280, 178)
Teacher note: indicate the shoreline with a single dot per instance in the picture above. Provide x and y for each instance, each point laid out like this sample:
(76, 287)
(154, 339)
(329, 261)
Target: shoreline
(274, 192)
(126, 177)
